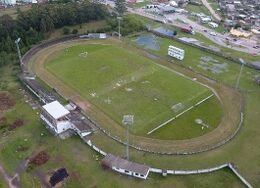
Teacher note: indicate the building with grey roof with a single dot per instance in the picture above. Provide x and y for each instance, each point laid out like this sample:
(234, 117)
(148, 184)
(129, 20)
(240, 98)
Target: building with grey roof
(126, 167)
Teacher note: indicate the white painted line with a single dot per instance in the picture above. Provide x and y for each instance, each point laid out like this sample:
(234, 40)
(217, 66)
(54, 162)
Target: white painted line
(204, 100)
(178, 115)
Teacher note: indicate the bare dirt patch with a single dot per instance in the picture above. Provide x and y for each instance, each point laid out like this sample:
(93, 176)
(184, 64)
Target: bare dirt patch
(41, 158)
(3, 120)
(6, 102)
(17, 123)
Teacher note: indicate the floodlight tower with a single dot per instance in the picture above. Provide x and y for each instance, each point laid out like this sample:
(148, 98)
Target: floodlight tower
(240, 73)
(119, 18)
(18, 50)
(128, 120)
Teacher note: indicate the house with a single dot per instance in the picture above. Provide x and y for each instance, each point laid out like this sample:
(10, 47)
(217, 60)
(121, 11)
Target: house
(125, 167)
(54, 115)
(238, 33)
(176, 52)
(9, 2)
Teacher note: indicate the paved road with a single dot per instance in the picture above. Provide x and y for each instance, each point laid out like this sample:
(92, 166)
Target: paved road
(243, 45)
(211, 10)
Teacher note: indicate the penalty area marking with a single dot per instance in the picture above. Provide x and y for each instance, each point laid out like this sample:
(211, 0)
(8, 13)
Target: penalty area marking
(178, 115)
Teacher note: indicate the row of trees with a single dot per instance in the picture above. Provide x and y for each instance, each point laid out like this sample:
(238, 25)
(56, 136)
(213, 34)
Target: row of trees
(32, 25)
(129, 24)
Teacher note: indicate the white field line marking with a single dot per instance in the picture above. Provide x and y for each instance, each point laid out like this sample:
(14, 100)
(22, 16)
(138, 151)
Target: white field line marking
(204, 100)
(189, 78)
(178, 115)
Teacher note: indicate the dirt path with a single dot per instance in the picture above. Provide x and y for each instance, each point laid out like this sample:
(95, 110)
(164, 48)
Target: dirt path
(211, 10)
(14, 181)
(10, 180)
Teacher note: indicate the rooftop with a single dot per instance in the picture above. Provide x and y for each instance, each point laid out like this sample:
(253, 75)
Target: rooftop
(56, 110)
(115, 161)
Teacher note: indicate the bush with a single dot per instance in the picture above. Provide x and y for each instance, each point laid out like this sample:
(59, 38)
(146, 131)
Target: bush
(75, 31)
(66, 30)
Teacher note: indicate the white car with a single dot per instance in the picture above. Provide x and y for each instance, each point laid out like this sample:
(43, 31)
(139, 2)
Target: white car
(213, 33)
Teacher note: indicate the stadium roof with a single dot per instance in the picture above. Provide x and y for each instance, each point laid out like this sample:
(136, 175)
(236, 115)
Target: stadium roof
(56, 110)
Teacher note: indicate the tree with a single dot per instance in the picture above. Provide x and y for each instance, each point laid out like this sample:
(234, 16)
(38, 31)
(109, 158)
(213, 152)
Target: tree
(66, 30)
(120, 7)
(75, 31)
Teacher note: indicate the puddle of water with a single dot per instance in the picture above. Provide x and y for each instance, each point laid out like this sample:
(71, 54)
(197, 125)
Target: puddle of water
(149, 42)
(256, 63)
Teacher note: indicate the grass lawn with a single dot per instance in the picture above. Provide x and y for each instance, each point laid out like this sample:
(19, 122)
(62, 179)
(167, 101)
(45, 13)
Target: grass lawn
(185, 126)
(119, 81)
(193, 59)
(83, 28)
(197, 9)
(139, 5)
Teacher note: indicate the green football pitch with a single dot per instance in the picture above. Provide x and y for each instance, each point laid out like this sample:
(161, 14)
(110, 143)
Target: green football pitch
(119, 81)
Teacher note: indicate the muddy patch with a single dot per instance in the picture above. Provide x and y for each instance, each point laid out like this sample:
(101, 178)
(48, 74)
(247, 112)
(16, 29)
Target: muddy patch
(212, 65)
(17, 123)
(39, 159)
(6, 102)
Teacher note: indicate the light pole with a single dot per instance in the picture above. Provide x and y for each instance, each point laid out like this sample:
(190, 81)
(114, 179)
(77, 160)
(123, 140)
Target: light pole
(240, 73)
(128, 120)
(119, 18)
(18, 50)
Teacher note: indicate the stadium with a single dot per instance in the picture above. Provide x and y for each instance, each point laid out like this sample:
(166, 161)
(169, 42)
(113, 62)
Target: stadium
(170, 107)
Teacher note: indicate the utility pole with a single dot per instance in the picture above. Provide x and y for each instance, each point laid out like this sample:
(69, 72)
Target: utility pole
(119, 18)
(128, 120)
(18, 50)
(240, 72)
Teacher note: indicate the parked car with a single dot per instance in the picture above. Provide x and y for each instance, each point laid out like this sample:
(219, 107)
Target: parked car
(213, 33)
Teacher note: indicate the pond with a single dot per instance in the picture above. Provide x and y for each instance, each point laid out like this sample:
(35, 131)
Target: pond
(149, 42)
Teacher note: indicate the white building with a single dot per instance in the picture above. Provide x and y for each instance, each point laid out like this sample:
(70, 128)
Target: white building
(126, 167)
(54, 116)
(9, 2)
(213, 24)
(176, 52)
(173, 4)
